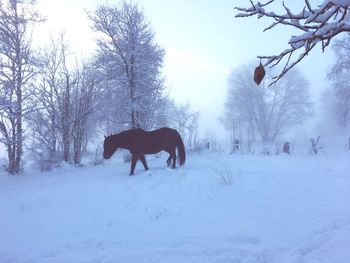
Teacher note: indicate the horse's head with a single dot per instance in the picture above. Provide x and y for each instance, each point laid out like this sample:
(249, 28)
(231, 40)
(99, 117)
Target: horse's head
(109, 147)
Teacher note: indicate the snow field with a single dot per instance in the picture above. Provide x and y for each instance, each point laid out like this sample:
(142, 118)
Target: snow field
(217, 208)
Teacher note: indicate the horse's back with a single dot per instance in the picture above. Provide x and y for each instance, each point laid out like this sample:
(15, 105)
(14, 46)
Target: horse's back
(164, 133)
(139, 133)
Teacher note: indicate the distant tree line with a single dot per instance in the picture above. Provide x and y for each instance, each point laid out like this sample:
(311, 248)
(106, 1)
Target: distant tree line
(52, 105)
(272, 110)
(265, 112)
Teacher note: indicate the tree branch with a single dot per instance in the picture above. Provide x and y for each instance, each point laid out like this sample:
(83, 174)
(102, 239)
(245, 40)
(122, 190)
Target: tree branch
(318, 25)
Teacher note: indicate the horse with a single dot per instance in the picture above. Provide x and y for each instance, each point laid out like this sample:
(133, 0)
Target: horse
(140, 142)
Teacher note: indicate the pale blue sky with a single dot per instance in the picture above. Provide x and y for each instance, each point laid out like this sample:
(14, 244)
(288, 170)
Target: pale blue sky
(203, 43)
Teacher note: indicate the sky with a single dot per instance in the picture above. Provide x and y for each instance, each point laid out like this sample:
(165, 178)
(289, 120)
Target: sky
(203, 41)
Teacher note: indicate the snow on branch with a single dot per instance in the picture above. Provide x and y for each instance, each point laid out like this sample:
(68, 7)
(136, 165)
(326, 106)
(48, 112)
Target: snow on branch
(318, 25)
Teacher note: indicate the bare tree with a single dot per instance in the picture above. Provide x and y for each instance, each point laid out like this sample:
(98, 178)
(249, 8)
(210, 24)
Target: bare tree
(16, 75)
(317, 25)
(130, 62)
(340, 77)
(182, 118)
(83, 108)
(51, 123)
(64, 105)
(66, 96)
(266, 110)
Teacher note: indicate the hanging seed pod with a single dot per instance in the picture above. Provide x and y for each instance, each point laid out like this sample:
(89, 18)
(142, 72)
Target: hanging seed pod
(259, 74)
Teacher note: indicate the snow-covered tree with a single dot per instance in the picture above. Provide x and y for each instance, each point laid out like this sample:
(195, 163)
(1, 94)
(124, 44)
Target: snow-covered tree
(130, 62)
(265, 110)
(45, 122)
(83, 109)
(66, 96)
(340, 77)
(316, 24)
(51, 124)
(17, 63)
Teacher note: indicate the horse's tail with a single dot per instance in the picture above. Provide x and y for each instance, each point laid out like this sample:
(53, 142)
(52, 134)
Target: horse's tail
(181, 149)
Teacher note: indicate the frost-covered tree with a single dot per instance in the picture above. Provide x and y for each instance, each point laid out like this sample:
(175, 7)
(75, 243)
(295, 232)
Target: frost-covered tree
(17, 63)
(66, 96)
(83, 110)
(317, 25)
(130, 62)
(45, 122)
(266, 111)
(340, 77)
(51, 124)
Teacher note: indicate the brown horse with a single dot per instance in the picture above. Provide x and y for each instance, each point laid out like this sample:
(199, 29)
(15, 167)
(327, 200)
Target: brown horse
(140, 142)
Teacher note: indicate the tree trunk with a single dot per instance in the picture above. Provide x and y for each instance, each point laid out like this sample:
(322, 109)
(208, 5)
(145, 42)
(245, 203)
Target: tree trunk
(53, 135)
(66, 141)
(133, 119)
(65, 121)
(19, 133)
(77, 142)
(11, 157)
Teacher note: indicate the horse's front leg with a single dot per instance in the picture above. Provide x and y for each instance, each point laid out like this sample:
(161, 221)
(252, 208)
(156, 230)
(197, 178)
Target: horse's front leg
(143, 160)
(174, 160)
(133, 163)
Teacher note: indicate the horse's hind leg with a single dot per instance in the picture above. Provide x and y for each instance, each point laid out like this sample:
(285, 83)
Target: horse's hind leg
(168, 150)
(168, 161)
(143, 160)
(172, 157)
(133, 163)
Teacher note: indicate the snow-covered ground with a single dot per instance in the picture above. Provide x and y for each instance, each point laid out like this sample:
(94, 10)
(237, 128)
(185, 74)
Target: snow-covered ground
(216, 208)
